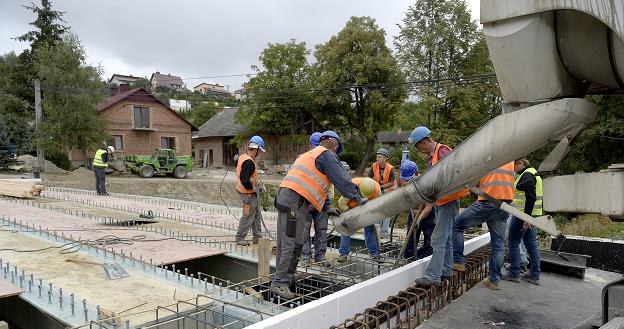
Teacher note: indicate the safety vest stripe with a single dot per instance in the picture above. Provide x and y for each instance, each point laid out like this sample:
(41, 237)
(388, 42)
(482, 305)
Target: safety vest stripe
(312, 175)
(488, 184)
(304, 186)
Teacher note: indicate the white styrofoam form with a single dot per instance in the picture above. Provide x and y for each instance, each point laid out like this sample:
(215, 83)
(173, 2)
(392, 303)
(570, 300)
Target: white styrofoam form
(339, 306)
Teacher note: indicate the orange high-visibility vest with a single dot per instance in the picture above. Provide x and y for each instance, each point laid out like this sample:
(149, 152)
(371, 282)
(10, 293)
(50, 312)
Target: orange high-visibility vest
(499, 183)
(376, 193)
(239, 185)
(386, 177)
(306, 180)
(449, 197)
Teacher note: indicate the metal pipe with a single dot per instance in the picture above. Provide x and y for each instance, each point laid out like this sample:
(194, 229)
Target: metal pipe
(503, 139)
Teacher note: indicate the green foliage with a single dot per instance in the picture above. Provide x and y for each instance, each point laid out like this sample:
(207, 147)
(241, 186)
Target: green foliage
(140, 83)
(201, 112)
(438, 39)
(70, 91)
(277, 101)
(60, 159)
(15, 113)
(361, 87)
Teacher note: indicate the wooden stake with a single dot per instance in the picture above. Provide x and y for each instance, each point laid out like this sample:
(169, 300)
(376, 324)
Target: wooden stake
(264, 255)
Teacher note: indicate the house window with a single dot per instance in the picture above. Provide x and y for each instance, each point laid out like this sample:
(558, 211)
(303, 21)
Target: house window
(141, 117)
(118, 142)
(167, 142)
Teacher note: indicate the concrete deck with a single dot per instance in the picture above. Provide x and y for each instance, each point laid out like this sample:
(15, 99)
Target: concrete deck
(8, 290)
(559, 302)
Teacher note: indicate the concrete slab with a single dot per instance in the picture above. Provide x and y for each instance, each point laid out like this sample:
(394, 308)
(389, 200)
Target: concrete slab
(161, 249)
(559, 302)
(7, 289)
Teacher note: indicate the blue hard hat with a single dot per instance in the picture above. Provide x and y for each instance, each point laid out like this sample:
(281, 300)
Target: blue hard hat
(332, 134)
(315, 139)
(418, 134)
(409, 169)
(256, 142)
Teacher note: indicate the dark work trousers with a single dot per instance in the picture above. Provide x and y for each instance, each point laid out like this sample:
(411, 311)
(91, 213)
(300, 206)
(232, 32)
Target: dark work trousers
(251, 218)
(100, 179)
(292, 213)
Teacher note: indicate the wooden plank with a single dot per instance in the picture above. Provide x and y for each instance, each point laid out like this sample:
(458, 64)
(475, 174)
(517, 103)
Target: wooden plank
(264, 255)
(8, 289)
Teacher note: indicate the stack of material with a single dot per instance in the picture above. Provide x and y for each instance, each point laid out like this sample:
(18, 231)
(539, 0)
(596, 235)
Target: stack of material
(21, 188)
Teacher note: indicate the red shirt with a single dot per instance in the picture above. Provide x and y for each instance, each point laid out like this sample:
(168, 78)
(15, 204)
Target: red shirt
(442, 152)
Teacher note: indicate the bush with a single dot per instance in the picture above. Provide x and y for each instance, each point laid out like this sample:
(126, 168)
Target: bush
(61, 160)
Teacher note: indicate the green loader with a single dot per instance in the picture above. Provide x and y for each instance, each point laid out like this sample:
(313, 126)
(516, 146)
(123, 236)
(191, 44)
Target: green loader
(163, 162)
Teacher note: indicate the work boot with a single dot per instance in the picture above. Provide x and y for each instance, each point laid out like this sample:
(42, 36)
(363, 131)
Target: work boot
(105, 193)
(426, 283)
(283, 291)
(490, 284)
(323, 262)
(529, 279)
(508, 277)
(459, 267)
(376, 258)
(305, 263)
(243, 243)
(342, 259)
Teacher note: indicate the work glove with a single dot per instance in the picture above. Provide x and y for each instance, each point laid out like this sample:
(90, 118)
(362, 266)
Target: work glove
(333, 212)
(362, 201)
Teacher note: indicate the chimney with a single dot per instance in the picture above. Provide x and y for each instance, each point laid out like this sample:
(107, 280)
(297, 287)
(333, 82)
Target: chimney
(113, 90)
(123, 87)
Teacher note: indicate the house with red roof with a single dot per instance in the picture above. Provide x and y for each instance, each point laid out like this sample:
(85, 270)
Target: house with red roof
(138, 123)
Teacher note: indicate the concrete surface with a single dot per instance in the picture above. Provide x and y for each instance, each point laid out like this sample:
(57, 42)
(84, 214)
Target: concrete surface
(559, 302)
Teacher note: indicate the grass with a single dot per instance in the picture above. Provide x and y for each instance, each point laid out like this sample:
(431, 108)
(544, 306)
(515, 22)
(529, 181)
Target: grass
(592, 225)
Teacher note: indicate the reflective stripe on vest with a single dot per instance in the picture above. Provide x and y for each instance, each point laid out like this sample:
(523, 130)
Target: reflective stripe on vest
(448, 197)
(357, 181)
(306, 180)
(239, 185)
(386, 177)
(499, 183)
(520, 196)
(97, 159)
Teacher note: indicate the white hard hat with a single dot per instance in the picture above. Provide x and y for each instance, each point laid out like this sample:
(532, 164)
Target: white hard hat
(111, 149)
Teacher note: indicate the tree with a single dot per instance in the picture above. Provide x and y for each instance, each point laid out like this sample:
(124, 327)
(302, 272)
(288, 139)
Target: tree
(201, 112)
(360, 87)
(16, 114)
(438, 40)
(48, 32)
(70, 91)
(278, 99)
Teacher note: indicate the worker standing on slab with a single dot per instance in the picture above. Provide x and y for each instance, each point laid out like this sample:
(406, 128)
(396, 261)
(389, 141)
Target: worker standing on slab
(100, 163)
(248, 186)
(527, 198)
(446, 208)
(307, 183)
(383, 173)
(425, 220)
(499, 183)
(320, 221)
(369, 189)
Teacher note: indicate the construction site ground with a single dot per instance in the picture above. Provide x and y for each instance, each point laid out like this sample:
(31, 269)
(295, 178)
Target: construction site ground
(559, 302)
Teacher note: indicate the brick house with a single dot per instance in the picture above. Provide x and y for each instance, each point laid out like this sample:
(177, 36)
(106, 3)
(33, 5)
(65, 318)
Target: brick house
(215, 146)
(138, 123)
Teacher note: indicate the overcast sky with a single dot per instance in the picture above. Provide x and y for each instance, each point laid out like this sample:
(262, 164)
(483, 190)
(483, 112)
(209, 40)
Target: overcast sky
(193, 39)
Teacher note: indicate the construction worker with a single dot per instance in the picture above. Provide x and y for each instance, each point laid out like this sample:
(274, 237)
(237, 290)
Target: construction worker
(527, 198)
(446, 208)
(383, 173)
(425, 220)
(369, 189)
(100, 163)
(248, 186)
(307, 183)
(499, 184)
(320, 221)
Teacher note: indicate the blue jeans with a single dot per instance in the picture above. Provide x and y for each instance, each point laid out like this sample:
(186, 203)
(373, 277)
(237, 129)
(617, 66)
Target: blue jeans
(441, 262)
(385, 227)
(478, 213)
(516, 235)
(370, 238)
(523, 251)
(427, 229)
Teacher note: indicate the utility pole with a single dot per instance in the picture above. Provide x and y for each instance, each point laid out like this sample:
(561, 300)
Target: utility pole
(38, 117)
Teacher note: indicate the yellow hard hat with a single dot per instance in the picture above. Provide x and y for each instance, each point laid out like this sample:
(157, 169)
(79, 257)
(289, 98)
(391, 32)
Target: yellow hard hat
(367, 186)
